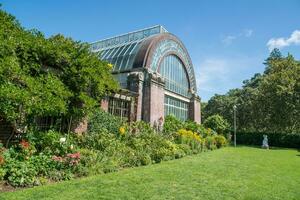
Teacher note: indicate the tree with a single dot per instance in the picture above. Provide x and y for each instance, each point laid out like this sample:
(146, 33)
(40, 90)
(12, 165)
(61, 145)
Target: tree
(47, 77)
(222, 105)
(216, 123)
(275, 55)
(203, 111)
(268, 102)
(279, 95)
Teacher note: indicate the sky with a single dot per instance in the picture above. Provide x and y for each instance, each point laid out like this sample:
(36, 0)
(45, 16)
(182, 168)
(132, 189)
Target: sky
(228, 40)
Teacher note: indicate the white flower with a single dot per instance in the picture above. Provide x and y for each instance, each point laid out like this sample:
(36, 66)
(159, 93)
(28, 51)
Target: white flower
(71, 147)
(62, 140)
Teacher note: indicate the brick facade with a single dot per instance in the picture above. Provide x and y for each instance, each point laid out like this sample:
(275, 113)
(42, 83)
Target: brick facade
(195, 109)
(153, 101)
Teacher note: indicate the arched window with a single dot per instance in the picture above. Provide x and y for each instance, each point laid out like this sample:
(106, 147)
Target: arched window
(176, 81)
(172, 69)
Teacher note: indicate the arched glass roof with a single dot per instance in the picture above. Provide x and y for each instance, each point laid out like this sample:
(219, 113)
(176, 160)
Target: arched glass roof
(121, 50)
(143, 48)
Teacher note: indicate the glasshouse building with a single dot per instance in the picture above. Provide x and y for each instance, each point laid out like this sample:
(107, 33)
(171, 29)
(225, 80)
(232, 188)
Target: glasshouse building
(156, 74)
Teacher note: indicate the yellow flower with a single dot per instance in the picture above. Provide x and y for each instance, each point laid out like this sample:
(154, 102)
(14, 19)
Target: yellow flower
(122, 130)
(181, 132)
(197, 137)
(110, 66)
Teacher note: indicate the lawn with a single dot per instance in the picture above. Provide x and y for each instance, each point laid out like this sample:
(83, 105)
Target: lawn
(228, 173)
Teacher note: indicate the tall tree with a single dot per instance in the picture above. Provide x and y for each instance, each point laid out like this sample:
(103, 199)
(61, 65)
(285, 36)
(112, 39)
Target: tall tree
(47, 77)
(266, 102)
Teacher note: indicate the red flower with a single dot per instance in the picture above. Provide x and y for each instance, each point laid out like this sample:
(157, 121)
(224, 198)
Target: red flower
(24, 144)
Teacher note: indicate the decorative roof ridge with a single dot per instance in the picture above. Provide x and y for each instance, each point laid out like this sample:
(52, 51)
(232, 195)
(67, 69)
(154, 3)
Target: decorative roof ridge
(130, 37)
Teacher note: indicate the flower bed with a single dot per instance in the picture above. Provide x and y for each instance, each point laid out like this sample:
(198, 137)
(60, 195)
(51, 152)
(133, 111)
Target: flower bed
(42, 157)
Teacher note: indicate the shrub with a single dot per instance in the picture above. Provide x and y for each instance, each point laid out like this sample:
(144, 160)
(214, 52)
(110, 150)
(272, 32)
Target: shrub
(195, 127)
(100, 120)
(20, 173)
(101, 140)
(184, 149)
(220, 141)
(2, 162)
(190, 138)
(217, 123)
(89, 162)
(172, 125)
(43, 164)
(210, 143)
(144, 158)
(2, 173)
(50, 142)
(60, 175)
(288, 140)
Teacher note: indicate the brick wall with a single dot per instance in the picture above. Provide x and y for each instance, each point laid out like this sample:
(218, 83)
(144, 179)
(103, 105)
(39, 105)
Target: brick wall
(153, 102)
(195, 109)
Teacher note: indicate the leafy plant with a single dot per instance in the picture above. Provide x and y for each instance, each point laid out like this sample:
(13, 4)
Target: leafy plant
(217, 123)
(53, 77)
(220, 141)
(51, 142)
(172, 125)
(210, 142)
(100, 120)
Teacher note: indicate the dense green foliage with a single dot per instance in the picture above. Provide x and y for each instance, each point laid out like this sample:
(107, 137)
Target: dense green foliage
(216, 123)
(100, 120)
(229, 173)
(108, 146)
(268, 102)
(289, 140)
(47, 77)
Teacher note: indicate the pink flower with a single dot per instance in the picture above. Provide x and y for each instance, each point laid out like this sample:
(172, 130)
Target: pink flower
(57, 158)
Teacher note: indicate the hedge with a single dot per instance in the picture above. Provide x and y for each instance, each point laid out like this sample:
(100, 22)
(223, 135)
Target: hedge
(288, 140)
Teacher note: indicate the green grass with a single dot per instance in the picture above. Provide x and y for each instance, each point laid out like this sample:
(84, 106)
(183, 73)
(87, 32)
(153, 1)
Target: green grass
(229, 173)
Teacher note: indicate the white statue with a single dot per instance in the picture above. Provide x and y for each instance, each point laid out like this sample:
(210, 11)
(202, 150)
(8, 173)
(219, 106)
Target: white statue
(265, 144)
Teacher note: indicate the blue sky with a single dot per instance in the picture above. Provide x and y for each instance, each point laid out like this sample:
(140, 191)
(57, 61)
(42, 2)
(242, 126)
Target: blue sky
(227, 40)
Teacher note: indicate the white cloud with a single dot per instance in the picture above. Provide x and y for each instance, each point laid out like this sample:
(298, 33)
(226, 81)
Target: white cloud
(227, 40)
(281, 42)
(216, 75)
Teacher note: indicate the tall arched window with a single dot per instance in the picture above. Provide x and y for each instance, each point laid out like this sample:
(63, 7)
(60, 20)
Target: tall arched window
(176, 81)
(172, 69)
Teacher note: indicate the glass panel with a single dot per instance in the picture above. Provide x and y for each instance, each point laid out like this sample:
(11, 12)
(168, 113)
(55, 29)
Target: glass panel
(176, 107)
(119, 107)
(173, 71)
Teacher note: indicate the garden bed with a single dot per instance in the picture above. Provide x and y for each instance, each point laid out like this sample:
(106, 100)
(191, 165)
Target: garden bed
(109, 145)
(228, 173)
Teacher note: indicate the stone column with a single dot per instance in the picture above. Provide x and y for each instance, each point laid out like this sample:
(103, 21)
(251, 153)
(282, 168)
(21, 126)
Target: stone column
(154, 97)
(195, 109)
(135, 82)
